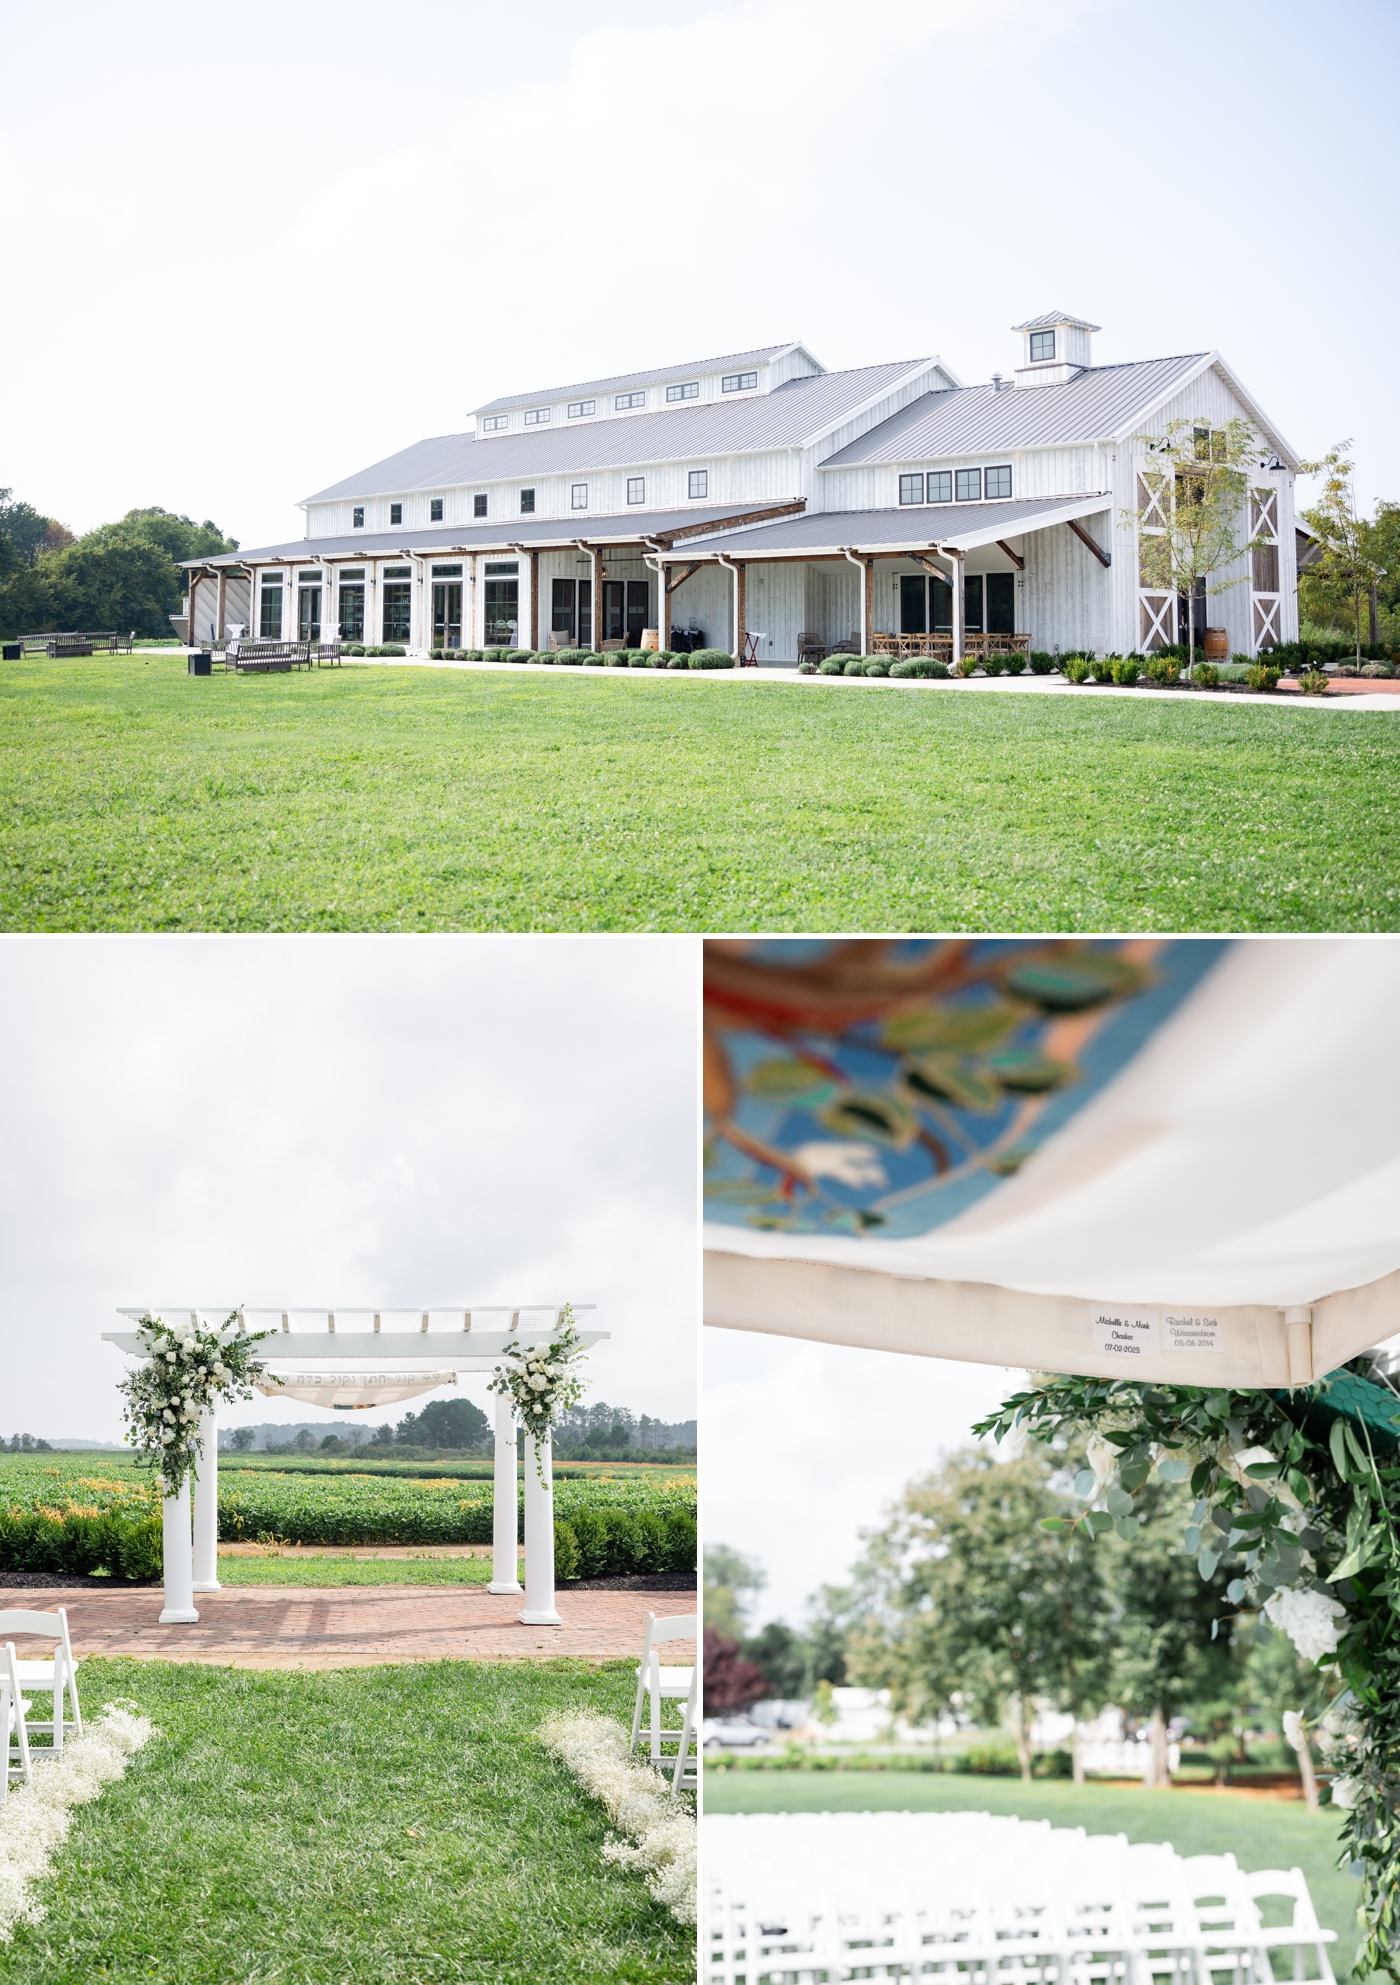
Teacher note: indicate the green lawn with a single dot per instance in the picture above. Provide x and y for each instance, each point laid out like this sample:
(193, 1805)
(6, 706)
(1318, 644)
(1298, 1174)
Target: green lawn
(394, 1825)
(1260, 1833)
(331, 1570)
(138, 798)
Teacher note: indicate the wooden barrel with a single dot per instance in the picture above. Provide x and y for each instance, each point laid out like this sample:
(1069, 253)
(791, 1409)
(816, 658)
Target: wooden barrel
(1217, 645)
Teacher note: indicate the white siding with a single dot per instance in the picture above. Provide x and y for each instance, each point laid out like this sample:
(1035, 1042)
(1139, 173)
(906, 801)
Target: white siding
(1035, 472)
(774, 603)
(705, 601)
(1067, 594)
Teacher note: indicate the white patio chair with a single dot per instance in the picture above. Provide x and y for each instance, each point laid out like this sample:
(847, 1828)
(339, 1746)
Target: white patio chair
(13, 1712)
(1303, 1934)
(58, 1674)
(686, 1775)
(657, 1684)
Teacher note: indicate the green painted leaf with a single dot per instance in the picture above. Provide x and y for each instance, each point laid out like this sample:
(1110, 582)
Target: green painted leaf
(1071, 985)
(950, 1080)
(959, 1030)
(1028, 1073)
(1084, 1484)
(791, 1081)
(1172, 1468)
(869, 1114)
(1207, 1562)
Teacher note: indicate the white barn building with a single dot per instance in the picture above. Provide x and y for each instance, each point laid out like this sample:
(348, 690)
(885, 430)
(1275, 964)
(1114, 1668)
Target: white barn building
(762, 493)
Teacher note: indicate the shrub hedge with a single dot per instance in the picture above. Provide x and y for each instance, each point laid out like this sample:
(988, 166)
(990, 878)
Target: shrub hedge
(711, 658)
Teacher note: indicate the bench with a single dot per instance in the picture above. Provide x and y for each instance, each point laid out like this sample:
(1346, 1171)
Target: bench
(268, 657)
(67, 645)
(76, 644)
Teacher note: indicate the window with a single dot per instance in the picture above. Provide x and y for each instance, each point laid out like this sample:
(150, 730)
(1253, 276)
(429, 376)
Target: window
(1042, 346)
(581, 409)
(738, 382)
(969, 485)
(493, 423)
(578, 496)
(309, 606)
(357, 519)
(912, 604)
(435, 511)
(502, 608)
(571, 609)
(352, 606)
(398, 602)
(447, 572)
(940, 485)
(699, 483)
(972, 602)
(537, 417)
(270, 619)
(911, 489)
(997, 483)
(527, 502)
(636, 489)
(500, 568)
(1001, 602)
(478, 506)
(690, 391)
(621, 400)
(395, 513)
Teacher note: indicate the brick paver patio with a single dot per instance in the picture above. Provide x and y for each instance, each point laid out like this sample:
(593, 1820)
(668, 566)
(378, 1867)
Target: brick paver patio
(352, 1626)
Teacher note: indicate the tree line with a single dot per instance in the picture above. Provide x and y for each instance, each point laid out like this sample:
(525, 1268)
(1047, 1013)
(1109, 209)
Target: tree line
(124, 577)
(962, 1605)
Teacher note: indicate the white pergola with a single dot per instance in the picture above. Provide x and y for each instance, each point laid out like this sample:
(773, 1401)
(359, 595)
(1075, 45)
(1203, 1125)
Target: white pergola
(359, 1357)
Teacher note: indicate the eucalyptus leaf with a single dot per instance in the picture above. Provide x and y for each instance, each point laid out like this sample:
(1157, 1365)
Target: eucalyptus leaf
(1223, 1519)
(1053, 1523)
(1119, 1503)
(1263, 1633)
(1234, 1591)
(1133, 1474)
(1127, 1528)
(1084, 1483)
(1172, 1468)
(1191, 1542)
(1207, 1562)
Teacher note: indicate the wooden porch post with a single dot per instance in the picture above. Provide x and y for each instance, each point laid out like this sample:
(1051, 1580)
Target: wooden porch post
(534, 602)
(194, 595)
(599, 572)
(741, 608)
(867, 607)
(223, 601)
(664, 606)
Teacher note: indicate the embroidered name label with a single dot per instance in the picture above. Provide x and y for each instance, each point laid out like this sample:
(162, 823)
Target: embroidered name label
(1125, 1333)
(1191, 1333)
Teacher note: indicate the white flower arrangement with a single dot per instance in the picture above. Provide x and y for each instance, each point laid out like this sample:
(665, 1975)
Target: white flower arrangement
(664, 1842)
(34, 1821)
(1312, 1621)
(543, 1380)
(185, 1370)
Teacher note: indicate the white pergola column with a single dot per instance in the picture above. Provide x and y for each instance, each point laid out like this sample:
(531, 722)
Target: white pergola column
(504, 1555)
(538, 1610)
(179, 1609)
(206, 1507)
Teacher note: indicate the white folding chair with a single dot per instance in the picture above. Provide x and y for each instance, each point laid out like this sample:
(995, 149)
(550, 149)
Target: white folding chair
(686, 1776)
(658, 1684)
(59, 1673)
(13, 1711)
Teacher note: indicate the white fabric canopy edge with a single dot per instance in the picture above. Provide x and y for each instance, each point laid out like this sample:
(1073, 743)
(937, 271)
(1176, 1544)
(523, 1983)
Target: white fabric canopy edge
(987, 1324)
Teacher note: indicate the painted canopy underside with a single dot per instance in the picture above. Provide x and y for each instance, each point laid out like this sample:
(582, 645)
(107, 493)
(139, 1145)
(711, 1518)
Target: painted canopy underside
(1228, 1152)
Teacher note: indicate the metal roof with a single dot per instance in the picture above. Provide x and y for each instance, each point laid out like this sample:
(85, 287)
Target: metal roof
(626, 527)
(913, 527)
(652, 377)
(1051, 320)
(791, 416)
(1098, 405)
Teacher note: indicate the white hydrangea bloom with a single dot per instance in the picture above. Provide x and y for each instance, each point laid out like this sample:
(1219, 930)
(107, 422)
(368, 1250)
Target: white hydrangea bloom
(1312, 1621)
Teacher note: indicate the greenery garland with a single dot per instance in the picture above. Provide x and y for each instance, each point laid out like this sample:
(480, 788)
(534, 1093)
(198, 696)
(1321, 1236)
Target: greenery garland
(543, 1381)
(186, 1369)
(1290, 1486)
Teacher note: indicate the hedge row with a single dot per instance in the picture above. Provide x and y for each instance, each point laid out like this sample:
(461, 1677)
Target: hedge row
(588, 1543)
(573, 658)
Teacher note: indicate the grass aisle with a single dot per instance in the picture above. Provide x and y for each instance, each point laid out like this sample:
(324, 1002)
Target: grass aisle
(137, 798)
(1260, 1833)
(394, 1825)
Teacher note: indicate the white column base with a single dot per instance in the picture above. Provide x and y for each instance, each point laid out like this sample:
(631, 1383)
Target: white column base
(516, 1587)
(178, 1616)
(207, 1585)
(541, 1619)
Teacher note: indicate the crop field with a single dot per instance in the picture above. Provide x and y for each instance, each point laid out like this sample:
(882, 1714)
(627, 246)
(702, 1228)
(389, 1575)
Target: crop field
(376, 798)
(474, 1468)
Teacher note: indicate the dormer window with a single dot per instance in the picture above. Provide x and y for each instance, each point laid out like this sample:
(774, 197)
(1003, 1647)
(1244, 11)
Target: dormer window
(1042, 346)
(537, 417)
(493, 423)
(738, 382)
(622, 401)
(690, 391)
(581, 409)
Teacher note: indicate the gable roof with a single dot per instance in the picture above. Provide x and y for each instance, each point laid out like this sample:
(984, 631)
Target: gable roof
(1102, 403)
(1050, 320)
(759, 356)
(792, 416)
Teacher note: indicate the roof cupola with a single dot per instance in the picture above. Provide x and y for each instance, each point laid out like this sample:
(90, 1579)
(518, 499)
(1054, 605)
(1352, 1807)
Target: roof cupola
(1055, 348)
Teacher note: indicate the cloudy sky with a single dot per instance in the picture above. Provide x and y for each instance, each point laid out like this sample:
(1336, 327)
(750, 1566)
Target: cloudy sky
(304, 236)
(343, 1120)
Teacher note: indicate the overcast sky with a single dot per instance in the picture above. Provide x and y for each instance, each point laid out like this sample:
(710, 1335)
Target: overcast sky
(343, 1120)
(269, 244)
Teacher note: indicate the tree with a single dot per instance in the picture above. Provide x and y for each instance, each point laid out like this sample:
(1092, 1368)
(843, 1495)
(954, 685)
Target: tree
(1192, 488)
(383, 1437)
(452, 1423)
(731, 1583)
(242, 1439)
(122, 575)
(1351, 547)
(24, 533)
(731, 1683)
(966, 1597)
(798, 1662)
(304, 1439)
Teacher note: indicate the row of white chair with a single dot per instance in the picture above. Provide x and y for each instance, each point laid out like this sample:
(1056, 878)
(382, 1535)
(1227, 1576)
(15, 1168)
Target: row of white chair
(58, 1674)
(977, 1901)
(657, 1685)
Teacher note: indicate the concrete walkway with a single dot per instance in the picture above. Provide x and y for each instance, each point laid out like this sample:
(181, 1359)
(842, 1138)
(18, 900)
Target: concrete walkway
(1343, 696)
(350, 1626)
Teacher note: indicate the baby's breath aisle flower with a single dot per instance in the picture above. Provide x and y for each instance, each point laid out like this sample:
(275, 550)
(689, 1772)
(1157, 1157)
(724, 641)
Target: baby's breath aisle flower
(186, 1368)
